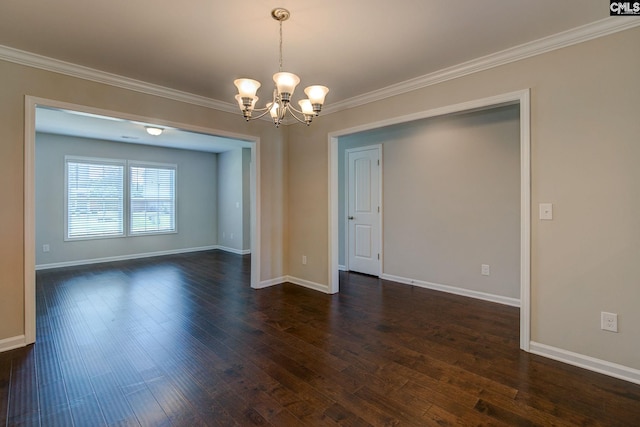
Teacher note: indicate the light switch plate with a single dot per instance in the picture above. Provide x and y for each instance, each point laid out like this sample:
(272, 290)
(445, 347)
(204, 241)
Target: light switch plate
(546, 211)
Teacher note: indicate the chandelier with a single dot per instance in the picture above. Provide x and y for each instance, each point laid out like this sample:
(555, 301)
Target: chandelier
(285, 83)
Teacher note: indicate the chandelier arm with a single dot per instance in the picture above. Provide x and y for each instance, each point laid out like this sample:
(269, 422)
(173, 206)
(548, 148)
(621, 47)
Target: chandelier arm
(264, 110)
(294, 109)
(291, 111)
(261, 115)
(260, 109)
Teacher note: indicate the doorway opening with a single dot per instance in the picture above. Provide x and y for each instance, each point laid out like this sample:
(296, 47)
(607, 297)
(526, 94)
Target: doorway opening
(194, 139)
(520, 98)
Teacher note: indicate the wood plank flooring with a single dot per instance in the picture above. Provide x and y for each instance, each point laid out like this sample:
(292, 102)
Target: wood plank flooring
(183, 340)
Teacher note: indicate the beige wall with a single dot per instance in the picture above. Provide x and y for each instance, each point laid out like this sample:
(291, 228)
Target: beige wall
(584, 157)
(18, 81)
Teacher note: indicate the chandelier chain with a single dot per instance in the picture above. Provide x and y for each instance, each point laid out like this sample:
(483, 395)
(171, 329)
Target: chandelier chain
(280, 45)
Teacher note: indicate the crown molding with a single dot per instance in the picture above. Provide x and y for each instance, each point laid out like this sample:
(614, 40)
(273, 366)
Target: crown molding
(50, 64)
(576, 35)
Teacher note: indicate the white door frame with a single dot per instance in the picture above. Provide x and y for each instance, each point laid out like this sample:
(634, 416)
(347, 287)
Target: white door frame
(346, 204)
(521, 98)
(31, 103)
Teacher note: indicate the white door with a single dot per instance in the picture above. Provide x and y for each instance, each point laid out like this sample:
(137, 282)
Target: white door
(363, 210)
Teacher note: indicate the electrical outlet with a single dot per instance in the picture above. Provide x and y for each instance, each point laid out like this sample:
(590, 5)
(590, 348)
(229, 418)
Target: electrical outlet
(609, 321)
(546, 211)
(485, 269)
(304, 260)
(45, 247)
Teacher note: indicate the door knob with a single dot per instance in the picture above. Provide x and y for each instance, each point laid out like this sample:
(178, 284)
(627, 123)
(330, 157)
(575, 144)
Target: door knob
(350, 217)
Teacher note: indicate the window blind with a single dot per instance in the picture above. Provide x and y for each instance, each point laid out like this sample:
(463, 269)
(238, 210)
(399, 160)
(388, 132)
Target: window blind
(95, 199)
(152, 201)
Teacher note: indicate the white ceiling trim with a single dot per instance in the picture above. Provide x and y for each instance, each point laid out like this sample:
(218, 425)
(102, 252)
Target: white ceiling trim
(67, 68)
(576, 35)
(567, 38)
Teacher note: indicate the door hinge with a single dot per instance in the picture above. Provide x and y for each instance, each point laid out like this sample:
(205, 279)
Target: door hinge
(378, 209)
(378, 257)
(378, 162)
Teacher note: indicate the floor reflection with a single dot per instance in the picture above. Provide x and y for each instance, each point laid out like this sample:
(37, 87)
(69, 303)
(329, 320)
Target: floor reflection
(183, 340)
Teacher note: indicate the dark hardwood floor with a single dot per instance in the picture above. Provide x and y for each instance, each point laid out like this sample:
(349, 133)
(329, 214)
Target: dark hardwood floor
(183, 340)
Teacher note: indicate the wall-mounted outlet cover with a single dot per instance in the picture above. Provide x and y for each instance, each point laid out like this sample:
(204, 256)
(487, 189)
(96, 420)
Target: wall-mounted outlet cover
(546, 211)
(609, 321)
(485, 269)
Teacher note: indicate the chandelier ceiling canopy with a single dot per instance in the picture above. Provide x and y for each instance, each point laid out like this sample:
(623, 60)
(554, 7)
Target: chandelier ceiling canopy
(285, 84)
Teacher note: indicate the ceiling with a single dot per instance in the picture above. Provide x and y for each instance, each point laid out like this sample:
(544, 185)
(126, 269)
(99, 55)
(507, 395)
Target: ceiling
(353, 47)
(199, 47)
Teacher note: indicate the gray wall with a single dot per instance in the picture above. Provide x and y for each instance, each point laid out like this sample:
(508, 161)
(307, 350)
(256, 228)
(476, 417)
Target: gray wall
(246, 198)
(451, 199)
(233, 170)
(196, 199)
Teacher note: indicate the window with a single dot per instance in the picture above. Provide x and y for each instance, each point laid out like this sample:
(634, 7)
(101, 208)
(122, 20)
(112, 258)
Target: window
(152, 197)
(95, 198)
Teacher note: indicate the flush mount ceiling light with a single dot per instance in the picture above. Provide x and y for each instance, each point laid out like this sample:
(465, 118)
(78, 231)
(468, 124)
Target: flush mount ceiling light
(282, 93)
(153, 130)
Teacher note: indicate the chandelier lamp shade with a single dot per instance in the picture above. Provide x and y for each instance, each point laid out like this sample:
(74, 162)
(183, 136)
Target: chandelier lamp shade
(285, 84)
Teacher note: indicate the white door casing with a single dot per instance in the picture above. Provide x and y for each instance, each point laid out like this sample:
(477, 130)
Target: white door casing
(363, 201)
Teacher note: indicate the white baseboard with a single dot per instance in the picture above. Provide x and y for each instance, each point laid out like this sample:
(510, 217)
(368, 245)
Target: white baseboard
(342, 268)
(271, 282)
(235, 251)
(307, 284)
(123, 257)
(597, 365)
(13, 342)
(295, 281)
(514, 302)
